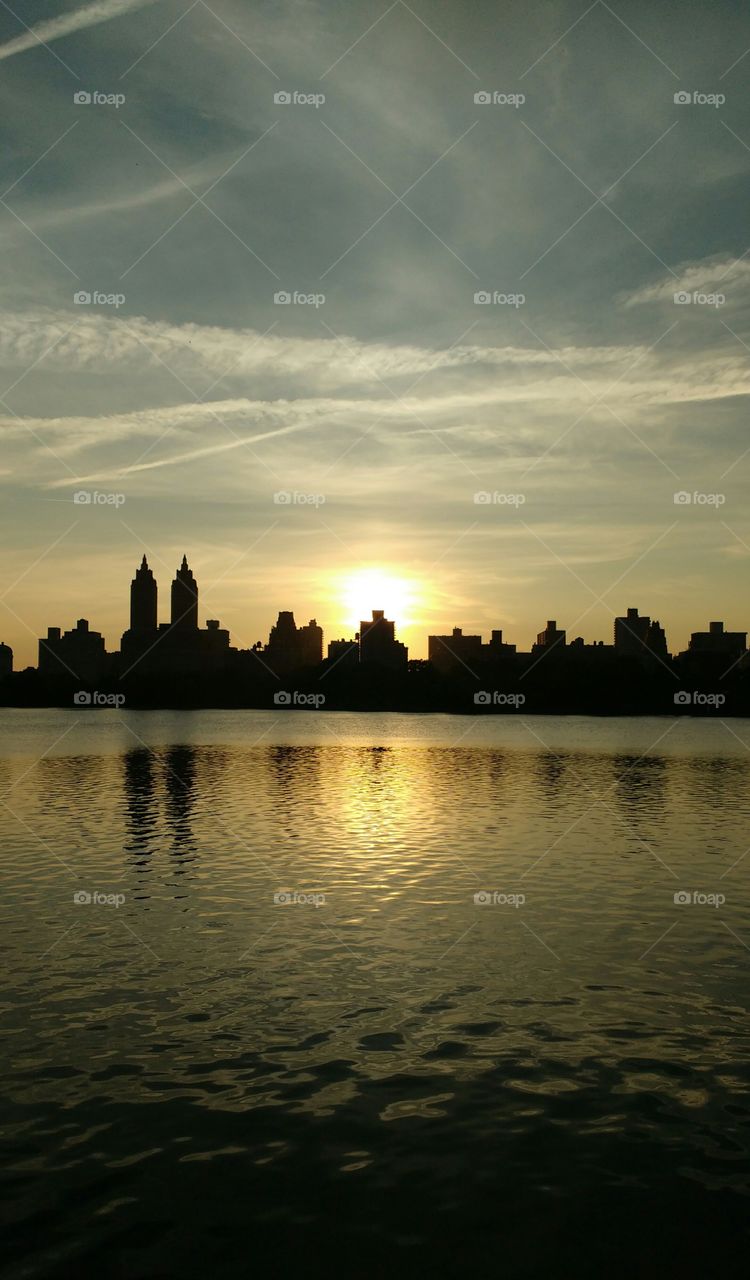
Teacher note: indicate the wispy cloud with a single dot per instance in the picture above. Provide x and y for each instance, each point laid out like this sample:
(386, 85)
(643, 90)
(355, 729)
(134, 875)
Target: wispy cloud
(54, 29)
(664, 373)
(729, 276)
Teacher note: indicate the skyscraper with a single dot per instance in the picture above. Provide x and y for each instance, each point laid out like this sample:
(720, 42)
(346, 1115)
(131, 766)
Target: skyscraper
(80, 653)
(551, 638)
(143, 599)
(631, 633)
(184, 599)
(291, 647)
(378, 643)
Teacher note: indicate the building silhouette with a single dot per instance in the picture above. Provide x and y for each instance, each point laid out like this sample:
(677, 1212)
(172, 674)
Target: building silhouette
(656, 640)
(6, 661)
(80, 653)
(456, 650)
(184, 599)
(179, 646)
(718, 641)
(449, 653)
(344, 653)
(551, 637)
(497, 647)
(636, 636)
(143, 600)
(378, 643)
(290, 647)
(183, 661)
(630, 633)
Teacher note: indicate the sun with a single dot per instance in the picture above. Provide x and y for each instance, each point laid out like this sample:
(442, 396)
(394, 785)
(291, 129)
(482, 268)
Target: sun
(371, 588)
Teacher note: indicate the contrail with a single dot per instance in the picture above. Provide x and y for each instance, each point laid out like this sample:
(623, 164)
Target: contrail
(206, 452)
(56, 28)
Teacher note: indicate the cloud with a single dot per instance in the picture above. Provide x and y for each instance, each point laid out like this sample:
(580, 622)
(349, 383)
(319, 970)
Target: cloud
(716, 275)
(282, 370)
(166, 189)
(67, 23)
(95, 340)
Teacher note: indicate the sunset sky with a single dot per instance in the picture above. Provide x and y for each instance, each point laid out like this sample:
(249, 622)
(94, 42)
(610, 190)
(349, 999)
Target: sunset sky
(387, 399)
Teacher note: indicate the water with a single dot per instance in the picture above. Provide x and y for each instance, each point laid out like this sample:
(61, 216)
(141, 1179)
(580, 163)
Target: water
(377, 1072)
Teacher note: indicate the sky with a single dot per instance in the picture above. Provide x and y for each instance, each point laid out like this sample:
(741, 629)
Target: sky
(247, 252)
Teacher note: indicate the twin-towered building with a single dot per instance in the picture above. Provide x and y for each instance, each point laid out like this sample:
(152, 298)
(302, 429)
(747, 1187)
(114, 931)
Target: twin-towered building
(181, 647)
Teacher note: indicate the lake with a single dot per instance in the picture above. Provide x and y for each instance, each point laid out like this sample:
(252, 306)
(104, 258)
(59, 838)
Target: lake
(360, 993)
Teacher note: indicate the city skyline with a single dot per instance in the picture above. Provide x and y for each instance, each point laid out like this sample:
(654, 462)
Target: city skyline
(632, 632)
(374, 668)
(452, 322)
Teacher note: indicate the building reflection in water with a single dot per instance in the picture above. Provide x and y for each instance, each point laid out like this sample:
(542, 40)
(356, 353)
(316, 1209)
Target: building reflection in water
(141, 808)
(180, 788)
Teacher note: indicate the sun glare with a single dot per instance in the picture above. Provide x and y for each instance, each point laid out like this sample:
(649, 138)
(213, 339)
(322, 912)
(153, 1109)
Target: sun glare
(374, 588)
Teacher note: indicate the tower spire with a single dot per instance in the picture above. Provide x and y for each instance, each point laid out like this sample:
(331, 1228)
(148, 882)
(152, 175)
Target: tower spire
(143, 599)
(184, 598)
